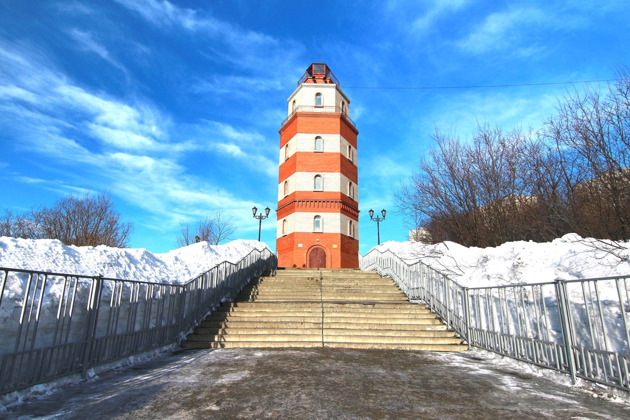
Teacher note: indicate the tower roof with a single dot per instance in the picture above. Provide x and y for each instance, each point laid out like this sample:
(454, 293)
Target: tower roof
(318, 73)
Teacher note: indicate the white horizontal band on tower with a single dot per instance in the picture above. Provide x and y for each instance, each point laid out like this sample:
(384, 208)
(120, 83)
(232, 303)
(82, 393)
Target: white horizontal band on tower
(305, 181)
(304, 96)
(331, 143)
(304, 222)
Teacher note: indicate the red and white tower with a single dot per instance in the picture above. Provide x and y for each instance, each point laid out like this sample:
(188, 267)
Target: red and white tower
(318, 209)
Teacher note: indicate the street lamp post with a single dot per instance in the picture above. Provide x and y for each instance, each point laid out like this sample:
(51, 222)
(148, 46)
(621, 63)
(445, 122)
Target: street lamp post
(378, 220)
(260, 218)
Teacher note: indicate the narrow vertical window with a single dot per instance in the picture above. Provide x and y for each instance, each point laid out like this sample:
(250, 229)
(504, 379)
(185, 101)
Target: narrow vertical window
(284, 227)
(350, 153)
(319, 147)
(350, 189)
(343, 107)
(317, 224)
(318, 183)
(286, 188)
(293, 106)
(319, 100)
(286, 152)
(351, 229)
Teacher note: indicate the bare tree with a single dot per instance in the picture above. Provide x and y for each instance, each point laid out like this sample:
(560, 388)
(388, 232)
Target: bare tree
(185, 237)
(572, 176)
(223, 228)
(591, 129)
(214, 230)
(87, 221)
(474, 193)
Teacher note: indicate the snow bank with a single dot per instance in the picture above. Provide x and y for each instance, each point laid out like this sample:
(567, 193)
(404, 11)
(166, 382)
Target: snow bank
(20, 293)
(177, 266)
(567, 258)
(597, 312)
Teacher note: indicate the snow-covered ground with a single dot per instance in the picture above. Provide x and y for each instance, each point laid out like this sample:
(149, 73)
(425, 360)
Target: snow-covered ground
(570, 257)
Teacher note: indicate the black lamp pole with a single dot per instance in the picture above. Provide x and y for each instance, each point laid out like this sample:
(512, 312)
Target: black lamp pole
(260, 218)
(378, 220)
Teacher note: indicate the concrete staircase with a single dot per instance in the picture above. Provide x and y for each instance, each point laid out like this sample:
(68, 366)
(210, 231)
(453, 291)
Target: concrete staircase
(324, 308)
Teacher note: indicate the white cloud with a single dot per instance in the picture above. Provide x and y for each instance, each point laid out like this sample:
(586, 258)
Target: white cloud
(137, 160)
(436, 10)
(515, 32)
(27, 66)
(230, 149)
(238, 85)
(122, 139)
(254, 161)
(501, 31)
(241, 136)
(163, 13)
(249, 50)
(86, 42)
(31, 180)
(13, 92)
(116, 114)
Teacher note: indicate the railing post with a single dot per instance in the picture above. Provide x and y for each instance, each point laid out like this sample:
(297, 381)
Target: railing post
(563, 312)
(467, 316)
(92, 308)
(447, 299)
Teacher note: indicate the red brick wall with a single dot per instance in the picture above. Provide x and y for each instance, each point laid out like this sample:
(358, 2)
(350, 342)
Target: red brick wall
(318, 163)
(344, 255)
(333, 203)
(318, 123)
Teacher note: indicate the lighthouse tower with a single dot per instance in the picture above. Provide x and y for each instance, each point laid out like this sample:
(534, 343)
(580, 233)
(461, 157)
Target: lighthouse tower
(318, 210)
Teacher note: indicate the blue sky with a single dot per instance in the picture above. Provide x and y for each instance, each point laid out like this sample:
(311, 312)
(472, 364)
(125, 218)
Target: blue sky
(174, 107)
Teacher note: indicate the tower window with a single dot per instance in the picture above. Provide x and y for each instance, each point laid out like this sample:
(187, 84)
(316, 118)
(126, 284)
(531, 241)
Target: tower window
(293, 106)
(317, 224)
(319, 147)
(350, 153)
(286, 152)
(318, 183)
(286, 188)
(343, 107)
(319, 100)
(350, 189)
(284, 227)
(351, 228)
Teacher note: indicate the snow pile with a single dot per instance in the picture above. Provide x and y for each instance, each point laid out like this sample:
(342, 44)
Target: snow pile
(177, 266)
(567, 258)
(19, 292)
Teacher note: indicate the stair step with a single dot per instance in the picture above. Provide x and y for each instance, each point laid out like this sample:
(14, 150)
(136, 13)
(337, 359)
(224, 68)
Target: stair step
(429, 326)
(324, 308)
(304, 344)
(350, 312)
(373, 317)
(328, 332)
(348, 305)
(313, 337)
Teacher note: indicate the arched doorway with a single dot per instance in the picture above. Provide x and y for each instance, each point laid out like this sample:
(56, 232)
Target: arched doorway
(317, 257)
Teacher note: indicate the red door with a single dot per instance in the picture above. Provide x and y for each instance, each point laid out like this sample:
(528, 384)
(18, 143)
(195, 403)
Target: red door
(317, 258)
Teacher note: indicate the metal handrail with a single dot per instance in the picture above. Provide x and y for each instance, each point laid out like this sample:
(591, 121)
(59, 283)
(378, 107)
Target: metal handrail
(58, 324)
(574, 326)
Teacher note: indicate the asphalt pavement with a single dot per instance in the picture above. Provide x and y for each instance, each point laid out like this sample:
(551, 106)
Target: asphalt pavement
(322, 384)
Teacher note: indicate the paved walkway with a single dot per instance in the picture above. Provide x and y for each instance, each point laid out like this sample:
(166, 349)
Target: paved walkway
(322, 384)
